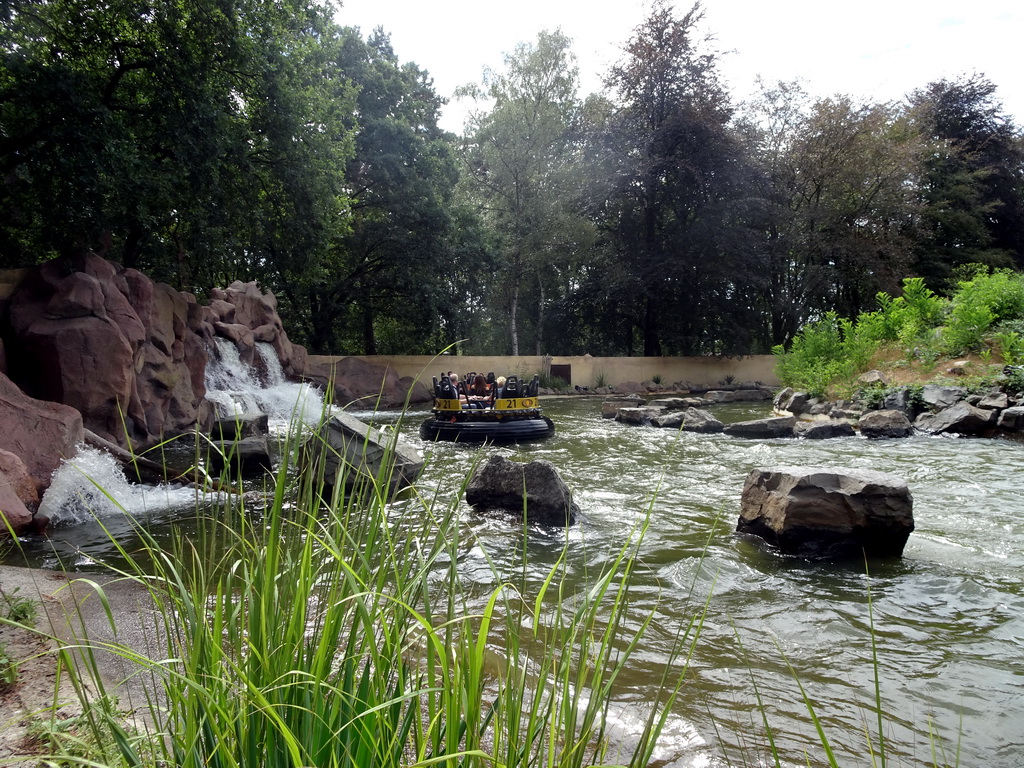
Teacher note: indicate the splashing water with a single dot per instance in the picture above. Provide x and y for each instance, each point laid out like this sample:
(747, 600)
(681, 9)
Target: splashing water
(93, 485)
(238, 389)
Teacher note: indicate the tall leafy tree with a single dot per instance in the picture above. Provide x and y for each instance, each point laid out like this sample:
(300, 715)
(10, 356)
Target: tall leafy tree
(676, 185)
(972, 181)
(387, 277)
(197, 140)
(518, 155)
(838, 214)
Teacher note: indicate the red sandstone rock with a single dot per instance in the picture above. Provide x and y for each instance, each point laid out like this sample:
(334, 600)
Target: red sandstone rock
(39, 433)
(355, 380)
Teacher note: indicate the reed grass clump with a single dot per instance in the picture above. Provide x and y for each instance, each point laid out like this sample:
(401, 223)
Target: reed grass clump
(323, 625)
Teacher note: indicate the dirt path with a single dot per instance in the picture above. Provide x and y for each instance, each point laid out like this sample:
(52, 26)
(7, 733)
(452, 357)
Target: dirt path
(70, 609)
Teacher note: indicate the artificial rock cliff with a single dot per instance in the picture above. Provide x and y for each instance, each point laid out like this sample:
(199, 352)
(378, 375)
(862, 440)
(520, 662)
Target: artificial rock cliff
(89, 346)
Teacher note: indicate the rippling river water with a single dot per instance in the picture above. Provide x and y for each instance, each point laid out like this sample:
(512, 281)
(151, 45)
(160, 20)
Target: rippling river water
(948, 618)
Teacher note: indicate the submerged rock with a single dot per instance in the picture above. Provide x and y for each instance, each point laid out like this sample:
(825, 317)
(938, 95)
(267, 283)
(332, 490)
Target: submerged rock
(818, 512)
(535, 490)
(762, 429)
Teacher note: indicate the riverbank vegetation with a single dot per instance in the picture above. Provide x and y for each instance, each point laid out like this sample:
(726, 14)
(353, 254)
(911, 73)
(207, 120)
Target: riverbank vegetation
(919, 334)
(330, 628)
(204, 142)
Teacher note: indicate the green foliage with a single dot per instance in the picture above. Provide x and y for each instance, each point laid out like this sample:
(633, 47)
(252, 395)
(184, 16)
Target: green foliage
(980, 302)
(1011, 347)
(20, 610)
(1015, 378)
(657, 379)
(824, 352)
(552, 382)
(908, 318)
(601, 379)
(199, 141)
(8, 669)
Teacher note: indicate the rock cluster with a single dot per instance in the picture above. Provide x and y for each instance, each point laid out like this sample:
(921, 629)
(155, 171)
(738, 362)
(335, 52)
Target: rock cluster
(88, 346)
(902, 411)
(684, 413)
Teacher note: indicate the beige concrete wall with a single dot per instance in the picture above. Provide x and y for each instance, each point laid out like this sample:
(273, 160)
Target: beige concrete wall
(585, 370)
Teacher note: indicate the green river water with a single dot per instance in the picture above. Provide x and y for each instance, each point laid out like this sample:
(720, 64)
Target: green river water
(948, 618)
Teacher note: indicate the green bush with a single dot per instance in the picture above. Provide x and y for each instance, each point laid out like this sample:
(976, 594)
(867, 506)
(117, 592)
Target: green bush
(552, 382)
(979, 303)
(1011, 347)
(830, 350)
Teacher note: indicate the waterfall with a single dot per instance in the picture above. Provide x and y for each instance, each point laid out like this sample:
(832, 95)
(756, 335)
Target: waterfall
(238, 389)
(93, 484)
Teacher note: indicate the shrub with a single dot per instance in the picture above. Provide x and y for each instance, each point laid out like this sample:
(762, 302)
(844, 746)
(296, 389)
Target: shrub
(979, 303)
(823, 353)
(1011, 347)
(552, 382)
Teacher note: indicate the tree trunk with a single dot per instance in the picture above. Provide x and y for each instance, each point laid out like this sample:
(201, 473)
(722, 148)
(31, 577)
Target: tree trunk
(540, 316)
(369, 339)
(652, 346)
(513, 311)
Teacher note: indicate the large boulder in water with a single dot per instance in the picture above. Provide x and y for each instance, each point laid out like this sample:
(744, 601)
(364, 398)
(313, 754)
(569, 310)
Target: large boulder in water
(882, 424)
(534, 489)
(1012, 419)
(354, 453)
(816, 512)
(690, 420)
(960, 419)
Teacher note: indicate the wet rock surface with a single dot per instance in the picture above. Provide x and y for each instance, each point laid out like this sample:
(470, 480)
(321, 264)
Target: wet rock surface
(534, 489)
(827, 513)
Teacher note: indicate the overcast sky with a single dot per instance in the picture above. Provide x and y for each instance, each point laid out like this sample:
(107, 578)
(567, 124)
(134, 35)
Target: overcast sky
(876, 49)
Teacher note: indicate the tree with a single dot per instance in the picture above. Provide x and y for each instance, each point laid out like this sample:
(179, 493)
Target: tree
(197, 140)
(674, 192)
(520, 169)
(387, 276)
(972, 181)
(839, 215)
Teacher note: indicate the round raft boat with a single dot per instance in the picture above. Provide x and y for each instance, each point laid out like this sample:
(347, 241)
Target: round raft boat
(511, 414)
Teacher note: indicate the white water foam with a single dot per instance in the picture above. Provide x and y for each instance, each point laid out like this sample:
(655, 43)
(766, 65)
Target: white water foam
(239, 389)
(93, 485)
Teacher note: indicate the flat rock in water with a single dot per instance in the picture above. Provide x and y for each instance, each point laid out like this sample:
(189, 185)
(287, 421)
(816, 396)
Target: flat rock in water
(824, 513)
(824, 430)
(353, 451)
(762, 429)
(641, 415)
